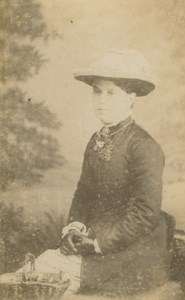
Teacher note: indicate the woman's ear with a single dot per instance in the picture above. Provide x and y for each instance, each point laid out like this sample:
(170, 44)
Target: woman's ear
(132, 97)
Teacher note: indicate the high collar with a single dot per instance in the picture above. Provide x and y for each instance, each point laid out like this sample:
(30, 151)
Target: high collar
(121, 124)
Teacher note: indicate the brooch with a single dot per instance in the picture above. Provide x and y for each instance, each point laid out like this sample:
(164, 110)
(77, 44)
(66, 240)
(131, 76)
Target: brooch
(104, 145)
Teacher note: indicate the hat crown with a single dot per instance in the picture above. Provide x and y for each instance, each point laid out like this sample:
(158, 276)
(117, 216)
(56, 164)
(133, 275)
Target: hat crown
(127, 63)
(128, 66)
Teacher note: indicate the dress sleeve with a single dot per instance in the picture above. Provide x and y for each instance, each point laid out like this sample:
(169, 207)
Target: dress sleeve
(82, 200)
(143, 210)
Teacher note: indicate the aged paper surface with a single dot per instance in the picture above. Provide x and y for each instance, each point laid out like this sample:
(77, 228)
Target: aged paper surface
(79, 31)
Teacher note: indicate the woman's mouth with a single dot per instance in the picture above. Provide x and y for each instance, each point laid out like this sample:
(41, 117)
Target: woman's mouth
(102, 109)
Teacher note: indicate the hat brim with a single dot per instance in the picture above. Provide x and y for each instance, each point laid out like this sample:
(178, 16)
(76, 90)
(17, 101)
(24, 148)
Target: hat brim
(132, 85)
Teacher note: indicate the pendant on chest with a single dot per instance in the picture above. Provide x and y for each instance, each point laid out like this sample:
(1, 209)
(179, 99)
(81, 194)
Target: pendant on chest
(104, 147)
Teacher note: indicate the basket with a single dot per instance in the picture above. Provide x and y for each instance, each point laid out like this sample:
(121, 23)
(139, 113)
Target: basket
(16, 287)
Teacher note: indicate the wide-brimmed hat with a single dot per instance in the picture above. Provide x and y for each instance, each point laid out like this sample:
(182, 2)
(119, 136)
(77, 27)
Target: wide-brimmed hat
(126, 68)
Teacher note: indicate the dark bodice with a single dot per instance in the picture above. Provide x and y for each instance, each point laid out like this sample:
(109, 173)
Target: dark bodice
(110, 181)
(122, 195)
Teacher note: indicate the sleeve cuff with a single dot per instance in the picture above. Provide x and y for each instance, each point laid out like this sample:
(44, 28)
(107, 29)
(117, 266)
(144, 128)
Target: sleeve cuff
(80, 227)
(96, 247)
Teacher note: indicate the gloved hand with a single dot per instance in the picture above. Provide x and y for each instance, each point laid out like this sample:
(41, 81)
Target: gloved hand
(68, 245)
(85, 245)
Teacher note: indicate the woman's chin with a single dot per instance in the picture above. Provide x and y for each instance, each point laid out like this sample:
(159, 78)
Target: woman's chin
(106, 122)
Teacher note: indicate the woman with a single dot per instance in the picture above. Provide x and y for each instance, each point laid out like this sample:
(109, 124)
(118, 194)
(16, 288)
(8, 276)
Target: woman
(127, 246)
(117, 239)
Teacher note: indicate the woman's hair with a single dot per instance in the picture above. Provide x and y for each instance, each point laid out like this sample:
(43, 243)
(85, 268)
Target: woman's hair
(126, 87)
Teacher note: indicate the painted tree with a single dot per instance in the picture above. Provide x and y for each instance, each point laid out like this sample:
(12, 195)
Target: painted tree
(27, 147)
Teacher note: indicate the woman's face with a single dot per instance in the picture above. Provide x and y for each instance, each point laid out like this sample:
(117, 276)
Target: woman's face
(111, 104)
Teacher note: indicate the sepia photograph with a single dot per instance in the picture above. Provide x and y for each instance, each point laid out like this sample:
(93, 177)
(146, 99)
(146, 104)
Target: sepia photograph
(92, 142)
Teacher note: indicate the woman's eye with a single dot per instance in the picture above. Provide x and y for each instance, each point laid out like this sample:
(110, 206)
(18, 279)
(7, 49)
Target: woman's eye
(96, 91)
(110, 92)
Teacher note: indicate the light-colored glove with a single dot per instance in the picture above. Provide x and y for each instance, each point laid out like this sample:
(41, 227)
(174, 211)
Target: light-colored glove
(82, 229)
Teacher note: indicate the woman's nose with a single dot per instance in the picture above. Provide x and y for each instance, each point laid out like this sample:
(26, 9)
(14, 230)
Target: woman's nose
(102, 99)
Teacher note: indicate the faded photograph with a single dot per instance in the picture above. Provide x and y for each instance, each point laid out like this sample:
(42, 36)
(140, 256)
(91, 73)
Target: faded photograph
(92, 139)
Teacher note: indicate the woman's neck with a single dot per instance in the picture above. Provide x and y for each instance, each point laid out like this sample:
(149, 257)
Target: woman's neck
(124, 118)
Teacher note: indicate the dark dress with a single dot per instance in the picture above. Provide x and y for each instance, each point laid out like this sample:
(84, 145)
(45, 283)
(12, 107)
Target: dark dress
(119, 200)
